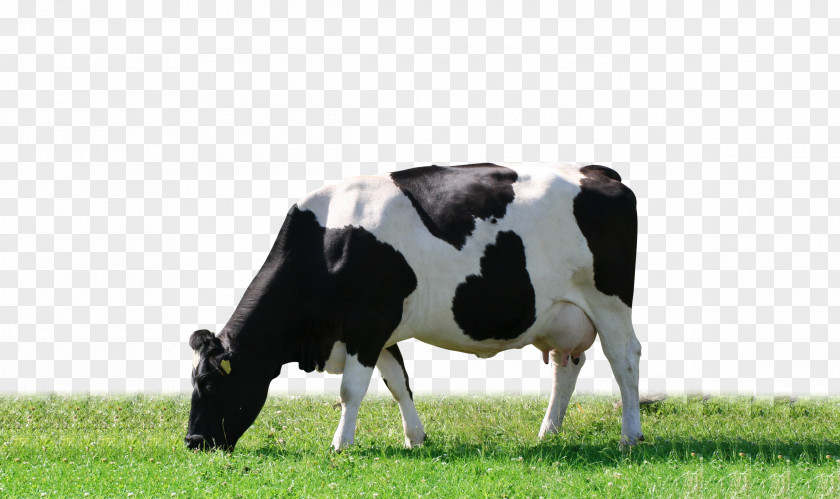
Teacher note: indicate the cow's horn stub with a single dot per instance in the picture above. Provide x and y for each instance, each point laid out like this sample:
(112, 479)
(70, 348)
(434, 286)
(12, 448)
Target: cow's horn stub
(203, 341)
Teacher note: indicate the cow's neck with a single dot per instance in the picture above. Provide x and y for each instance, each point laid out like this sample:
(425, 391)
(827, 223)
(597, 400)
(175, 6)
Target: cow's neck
(270, 324)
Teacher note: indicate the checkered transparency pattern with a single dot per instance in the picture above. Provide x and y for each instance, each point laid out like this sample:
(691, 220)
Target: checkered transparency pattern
(150, 150)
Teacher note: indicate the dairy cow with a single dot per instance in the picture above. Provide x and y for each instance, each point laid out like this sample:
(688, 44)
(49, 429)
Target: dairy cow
(477, 258)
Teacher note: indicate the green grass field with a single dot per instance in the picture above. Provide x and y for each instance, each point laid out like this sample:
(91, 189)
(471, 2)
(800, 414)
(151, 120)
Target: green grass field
(477, 447)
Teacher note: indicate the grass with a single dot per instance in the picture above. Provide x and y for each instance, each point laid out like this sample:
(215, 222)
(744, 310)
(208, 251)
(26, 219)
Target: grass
(477, 447)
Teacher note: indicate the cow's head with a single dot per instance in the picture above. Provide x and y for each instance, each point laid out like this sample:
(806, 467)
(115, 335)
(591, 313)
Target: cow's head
(228, 394)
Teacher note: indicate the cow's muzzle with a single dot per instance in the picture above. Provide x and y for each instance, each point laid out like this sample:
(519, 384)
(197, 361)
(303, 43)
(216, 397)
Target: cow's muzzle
(197, 442)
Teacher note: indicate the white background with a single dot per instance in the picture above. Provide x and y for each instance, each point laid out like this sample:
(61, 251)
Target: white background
(149, 151)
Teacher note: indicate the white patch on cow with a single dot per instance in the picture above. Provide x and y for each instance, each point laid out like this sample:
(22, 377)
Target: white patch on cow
(335, 362)
(354, 385)
(196, 359)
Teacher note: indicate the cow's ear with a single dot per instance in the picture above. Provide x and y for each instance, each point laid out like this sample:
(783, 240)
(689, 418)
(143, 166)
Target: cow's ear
(203, 341)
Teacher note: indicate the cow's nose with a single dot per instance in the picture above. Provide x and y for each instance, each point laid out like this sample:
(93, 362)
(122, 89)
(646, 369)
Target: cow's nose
(196, 442)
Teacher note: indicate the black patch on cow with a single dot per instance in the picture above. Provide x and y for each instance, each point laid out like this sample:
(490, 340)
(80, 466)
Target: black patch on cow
(395, 351)
(605, 210)
(576, 360)
(319, 286)
(450, 198)
(499, 303)
(602, 170)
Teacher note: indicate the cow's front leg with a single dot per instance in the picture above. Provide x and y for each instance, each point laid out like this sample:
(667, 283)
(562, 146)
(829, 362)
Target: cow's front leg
(565, 378)
(354, 385)
(392, 369)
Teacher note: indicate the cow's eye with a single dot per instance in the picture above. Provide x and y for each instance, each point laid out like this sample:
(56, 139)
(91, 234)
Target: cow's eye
(209, 387)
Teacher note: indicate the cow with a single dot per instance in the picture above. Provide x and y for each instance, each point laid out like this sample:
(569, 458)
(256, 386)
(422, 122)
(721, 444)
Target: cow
(476, 258)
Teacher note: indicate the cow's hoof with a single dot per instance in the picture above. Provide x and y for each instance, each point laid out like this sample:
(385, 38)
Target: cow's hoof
(338, 446)
(547, 430)
(627, 443)
(415, 439)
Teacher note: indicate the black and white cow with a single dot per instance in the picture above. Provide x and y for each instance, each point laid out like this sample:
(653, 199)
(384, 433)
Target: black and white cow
(476, 258)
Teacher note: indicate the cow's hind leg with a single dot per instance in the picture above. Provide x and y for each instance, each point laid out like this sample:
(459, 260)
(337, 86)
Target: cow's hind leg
(392, 368)
(565, 378)
(354, 385)
(622, 349)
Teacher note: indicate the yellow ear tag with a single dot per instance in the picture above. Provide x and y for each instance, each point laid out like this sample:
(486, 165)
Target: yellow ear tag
(225, 366)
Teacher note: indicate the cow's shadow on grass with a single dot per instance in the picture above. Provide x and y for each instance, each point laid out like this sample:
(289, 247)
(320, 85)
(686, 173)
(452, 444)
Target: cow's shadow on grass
(596, 442)
(560, 449)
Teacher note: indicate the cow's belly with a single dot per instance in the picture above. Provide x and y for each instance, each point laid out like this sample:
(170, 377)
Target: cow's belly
(457, 341)
(561, 326)
(558, 324)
